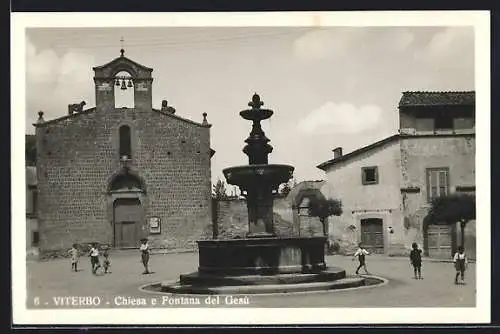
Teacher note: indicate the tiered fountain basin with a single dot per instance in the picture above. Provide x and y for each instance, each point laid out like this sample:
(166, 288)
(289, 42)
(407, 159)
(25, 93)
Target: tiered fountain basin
(248, 175)
(262, 265)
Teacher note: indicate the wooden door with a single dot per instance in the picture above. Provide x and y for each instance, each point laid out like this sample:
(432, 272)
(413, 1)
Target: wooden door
(440, 241)
(127, 219)
(372, 235)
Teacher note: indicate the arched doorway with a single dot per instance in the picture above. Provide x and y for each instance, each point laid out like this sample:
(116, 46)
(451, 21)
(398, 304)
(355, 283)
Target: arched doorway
(127, 218)
(372, 234)
(127, 196)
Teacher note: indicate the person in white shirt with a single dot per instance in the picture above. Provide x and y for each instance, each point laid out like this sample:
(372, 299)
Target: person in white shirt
(94, 257)
(360, 253)
(145, 254)
(460, 261)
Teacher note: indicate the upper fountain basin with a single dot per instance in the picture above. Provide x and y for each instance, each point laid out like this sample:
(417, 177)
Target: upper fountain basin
(248, 175)
(256, 114)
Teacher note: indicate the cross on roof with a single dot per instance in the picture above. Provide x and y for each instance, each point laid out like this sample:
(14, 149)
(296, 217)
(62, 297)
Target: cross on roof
(122, 51)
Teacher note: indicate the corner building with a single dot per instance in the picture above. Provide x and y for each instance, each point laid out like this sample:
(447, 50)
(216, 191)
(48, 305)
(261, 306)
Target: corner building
(387, 187)
(114, 175)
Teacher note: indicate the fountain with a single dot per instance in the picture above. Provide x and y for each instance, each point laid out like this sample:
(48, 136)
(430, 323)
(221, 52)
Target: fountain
(261, 262)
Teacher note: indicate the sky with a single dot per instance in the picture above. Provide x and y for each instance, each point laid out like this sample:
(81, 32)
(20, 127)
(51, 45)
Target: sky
(328, 86)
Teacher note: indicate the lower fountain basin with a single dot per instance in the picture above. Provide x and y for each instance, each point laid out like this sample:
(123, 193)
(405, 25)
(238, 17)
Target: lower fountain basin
(262, 256)
(248, 175)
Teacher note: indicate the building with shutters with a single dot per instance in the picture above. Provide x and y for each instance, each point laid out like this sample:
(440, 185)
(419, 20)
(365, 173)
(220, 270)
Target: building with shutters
(386, 187)
(114, 174)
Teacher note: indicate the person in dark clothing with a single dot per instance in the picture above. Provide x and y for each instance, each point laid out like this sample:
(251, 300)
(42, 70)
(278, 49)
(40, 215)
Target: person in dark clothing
(416, 260)
(360, 254)
(460, 261)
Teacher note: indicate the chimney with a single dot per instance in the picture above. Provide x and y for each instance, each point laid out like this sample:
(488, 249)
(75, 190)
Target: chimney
(337, 152)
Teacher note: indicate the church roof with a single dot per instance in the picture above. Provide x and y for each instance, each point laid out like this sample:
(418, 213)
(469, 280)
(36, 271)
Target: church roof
(90, 110)
(414, 99)
(120, 59)
(163, 112)
(55, 120)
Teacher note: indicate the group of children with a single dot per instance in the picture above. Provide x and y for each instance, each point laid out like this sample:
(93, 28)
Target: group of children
(94, 254)
(459, 260)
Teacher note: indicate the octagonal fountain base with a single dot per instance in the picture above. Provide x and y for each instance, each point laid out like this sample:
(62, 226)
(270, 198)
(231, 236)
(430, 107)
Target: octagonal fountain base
(262, 265)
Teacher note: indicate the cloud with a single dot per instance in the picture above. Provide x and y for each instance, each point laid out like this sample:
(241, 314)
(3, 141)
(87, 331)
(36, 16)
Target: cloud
(342, 118)
(451, 47)
(53, 81)
(346, 41)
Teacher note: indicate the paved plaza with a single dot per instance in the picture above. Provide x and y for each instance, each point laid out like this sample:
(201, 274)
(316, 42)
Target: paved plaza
(54, 278)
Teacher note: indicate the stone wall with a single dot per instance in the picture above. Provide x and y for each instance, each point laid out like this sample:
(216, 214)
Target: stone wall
(381, 200)
(78, 156)
(232, 218)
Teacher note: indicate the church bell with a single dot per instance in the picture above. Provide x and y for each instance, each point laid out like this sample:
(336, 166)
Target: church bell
(129, 83)
(124, 87)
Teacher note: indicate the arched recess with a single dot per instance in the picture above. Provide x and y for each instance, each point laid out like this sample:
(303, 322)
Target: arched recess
(126, 181)
(300, 198)
(124, 89)
(127, 203)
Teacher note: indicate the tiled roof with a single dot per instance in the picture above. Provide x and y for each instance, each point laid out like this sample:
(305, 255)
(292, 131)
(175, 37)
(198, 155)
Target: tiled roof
(325, 165)
(437, 98)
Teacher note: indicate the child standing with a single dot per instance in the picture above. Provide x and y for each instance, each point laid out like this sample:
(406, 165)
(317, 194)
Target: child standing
(73, 252)
(94, 258)
(145, 254)
(416, 260)
(107, 262)
(460, 260)
(360, 253)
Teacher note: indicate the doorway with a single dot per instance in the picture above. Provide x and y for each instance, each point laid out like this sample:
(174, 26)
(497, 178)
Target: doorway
(372, 235)
(127, 218)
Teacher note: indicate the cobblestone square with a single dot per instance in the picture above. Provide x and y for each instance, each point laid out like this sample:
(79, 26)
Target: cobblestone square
(52, 279)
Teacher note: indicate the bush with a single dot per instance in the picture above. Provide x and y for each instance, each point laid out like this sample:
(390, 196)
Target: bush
(333, 248)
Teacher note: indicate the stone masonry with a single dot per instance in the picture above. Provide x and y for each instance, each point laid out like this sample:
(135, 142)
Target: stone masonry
(78, 157)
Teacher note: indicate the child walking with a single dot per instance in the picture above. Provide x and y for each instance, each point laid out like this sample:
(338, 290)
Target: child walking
(145, 254)
(416, 260)
(107, 262)
(460, 261)
(73, 252)
(94, 258)
(360, 253)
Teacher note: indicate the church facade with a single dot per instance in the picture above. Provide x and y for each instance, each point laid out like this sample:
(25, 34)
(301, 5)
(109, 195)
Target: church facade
(115, 175)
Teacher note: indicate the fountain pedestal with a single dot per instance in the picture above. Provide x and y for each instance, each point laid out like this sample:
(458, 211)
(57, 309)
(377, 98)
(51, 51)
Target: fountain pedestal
(261, 262)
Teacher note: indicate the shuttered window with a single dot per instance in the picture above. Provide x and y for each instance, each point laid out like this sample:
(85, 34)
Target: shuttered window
(437, 182)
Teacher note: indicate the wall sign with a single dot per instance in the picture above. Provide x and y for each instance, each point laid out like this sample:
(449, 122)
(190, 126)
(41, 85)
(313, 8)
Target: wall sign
(154, 225)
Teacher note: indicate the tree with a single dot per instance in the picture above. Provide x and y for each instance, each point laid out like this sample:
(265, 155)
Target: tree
(285, 189)
(220, 190)
(324, 208)
(451, 209)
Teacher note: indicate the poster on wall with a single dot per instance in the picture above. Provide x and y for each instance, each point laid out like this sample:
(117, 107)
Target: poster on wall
(154, 225)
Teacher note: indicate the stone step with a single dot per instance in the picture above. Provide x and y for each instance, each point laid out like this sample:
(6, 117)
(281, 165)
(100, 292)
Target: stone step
(264, 289)
(331, 274)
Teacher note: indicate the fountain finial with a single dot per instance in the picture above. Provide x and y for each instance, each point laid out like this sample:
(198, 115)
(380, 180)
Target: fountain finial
(256, 103)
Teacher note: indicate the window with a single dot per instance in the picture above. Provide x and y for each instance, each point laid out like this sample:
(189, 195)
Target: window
(437, 182)
(369, 175)
(443, 121)
(125, 142)
(35, 202)
(36, 239)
